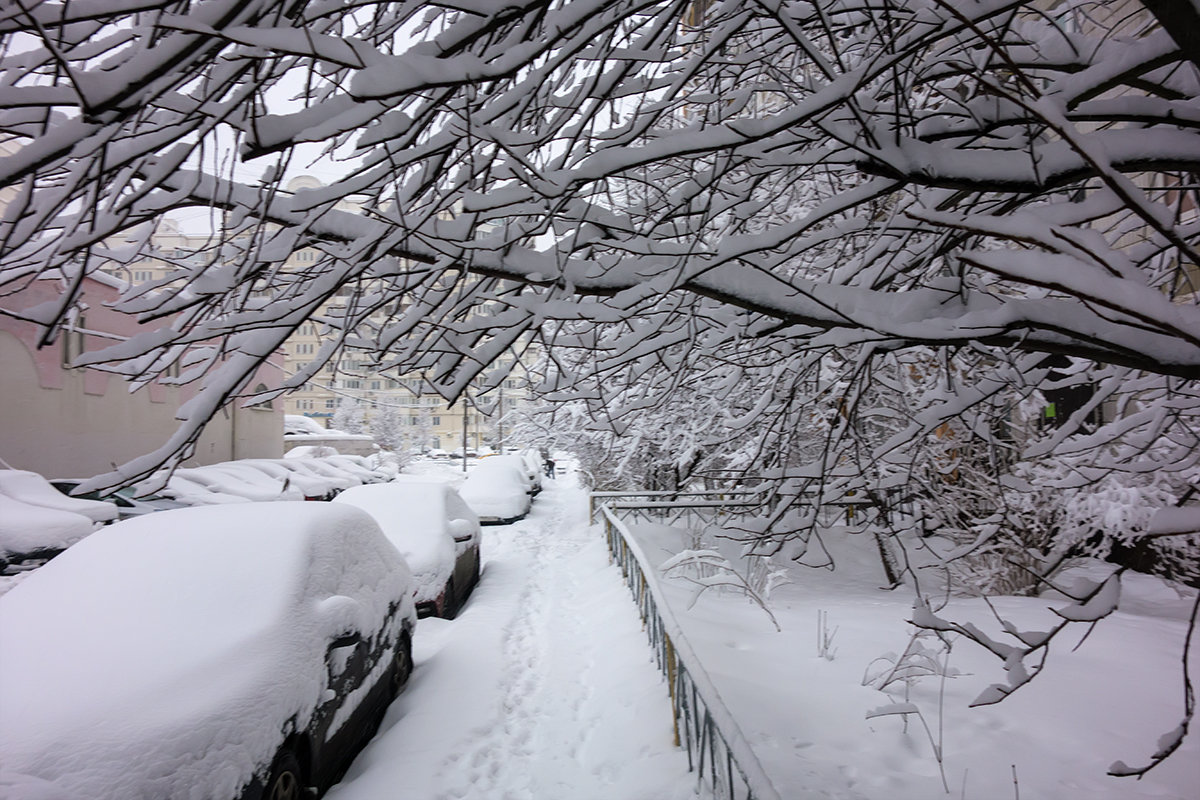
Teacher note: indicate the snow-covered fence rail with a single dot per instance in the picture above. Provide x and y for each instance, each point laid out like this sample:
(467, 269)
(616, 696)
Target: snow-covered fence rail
(711, 506)
(671, 508)
(717, 750)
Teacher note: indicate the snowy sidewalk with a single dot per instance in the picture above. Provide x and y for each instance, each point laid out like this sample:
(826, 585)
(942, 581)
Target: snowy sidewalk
(543, 689)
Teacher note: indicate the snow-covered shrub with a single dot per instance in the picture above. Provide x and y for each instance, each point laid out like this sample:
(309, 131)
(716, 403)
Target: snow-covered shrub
(349, 416)
(387, 428)
(708, 569)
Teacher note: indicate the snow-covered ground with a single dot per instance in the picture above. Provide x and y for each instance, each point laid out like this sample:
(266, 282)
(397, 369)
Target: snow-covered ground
(805, 714)
(544, 687)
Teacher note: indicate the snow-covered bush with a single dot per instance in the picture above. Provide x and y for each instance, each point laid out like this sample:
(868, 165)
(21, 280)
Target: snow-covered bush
(387, 428)
(349, 417)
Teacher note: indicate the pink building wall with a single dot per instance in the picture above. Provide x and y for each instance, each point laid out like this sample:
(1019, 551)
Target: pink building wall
(64, 422)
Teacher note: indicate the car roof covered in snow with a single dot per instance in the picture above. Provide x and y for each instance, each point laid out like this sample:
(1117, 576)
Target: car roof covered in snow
(412, 515)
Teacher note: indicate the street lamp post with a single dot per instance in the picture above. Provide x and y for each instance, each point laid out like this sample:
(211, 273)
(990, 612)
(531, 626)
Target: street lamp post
(500, 420)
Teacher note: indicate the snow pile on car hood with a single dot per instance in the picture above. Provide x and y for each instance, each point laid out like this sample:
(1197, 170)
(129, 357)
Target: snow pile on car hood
(164, 656)
(412, 515)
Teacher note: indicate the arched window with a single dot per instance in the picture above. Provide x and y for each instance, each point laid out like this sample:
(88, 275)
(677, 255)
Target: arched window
(263, 405)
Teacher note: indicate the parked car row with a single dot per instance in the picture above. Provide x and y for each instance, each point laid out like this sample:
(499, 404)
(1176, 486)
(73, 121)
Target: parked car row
(234, 649)
(39, 518)
(263, 479)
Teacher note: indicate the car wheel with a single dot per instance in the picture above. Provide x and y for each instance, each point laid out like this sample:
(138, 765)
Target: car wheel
(449, 601)
(285, 781)
(403, 665)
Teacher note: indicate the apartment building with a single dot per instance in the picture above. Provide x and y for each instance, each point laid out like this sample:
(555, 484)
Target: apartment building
(418, 414)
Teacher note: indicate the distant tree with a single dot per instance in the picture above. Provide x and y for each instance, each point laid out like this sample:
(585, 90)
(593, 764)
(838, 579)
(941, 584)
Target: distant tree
(387, 428)
(419, 434)
(350, 416)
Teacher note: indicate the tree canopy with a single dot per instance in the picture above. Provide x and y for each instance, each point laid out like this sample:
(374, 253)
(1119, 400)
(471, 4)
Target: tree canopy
(848, 246)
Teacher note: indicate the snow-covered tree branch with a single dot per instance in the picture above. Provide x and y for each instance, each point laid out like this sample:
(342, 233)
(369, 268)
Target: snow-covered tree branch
(857, 249)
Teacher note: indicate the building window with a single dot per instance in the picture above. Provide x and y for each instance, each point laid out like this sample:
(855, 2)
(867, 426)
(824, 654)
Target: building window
(437, 420)
(331, 403)
(376, 385)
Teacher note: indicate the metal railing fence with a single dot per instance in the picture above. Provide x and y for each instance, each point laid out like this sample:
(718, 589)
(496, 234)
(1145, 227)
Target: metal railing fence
(716, 748)
(705, 507)
(713, 506)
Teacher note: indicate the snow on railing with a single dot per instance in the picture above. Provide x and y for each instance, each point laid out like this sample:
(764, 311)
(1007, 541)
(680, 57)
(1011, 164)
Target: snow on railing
(712, 506)
(717, 750)
(671, 508)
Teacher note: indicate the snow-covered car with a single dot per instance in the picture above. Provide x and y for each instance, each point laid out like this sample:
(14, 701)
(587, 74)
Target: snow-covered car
(311, 451)
(434, 529)
(319, 467)
(30, 533)
(297, 425)
(241, 481)
(187, 491)
(497, 491)
(324, 465)
(533, 481)
(358, 466)
(534, 467)
(29, 487)
(145, 662)
(125, 499)
(310, 484)
(385, 463)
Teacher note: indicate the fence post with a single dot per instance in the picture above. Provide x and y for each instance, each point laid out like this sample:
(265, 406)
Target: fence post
(669, 650)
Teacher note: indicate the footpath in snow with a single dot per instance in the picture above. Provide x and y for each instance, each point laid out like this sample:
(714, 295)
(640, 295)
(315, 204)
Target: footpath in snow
(543, 687)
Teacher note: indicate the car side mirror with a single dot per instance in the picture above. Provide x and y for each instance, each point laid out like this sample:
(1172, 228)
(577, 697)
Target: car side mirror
(338, 614)
(341, 651)
(462, 530)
